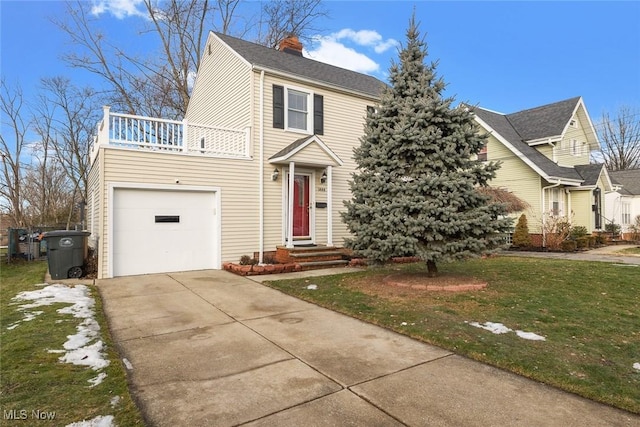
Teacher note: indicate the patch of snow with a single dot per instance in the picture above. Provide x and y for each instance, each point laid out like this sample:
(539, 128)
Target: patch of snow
(404, 323)
(636, 366)
(626, 265)
(499, 328)
(312, 287)
(78, 348)
(530, 336)
(99, 421)
(89, 355)
(496, 328)
(115, 400)
(97, 380)
(127, 364)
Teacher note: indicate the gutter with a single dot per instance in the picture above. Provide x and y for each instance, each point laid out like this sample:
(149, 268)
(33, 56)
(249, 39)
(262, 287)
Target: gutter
(261, 171)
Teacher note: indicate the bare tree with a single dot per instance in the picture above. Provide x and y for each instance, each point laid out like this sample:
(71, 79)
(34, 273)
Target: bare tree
(11, 146)
(160, 85)
(72, 123)
(620, 139)
(285, 17)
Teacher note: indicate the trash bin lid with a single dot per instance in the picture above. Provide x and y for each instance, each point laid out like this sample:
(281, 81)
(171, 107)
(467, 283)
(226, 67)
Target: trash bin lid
(62, 233)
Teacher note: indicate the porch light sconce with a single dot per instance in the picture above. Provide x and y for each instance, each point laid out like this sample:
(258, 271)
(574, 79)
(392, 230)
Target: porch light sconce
(323, 178)
(275, 175)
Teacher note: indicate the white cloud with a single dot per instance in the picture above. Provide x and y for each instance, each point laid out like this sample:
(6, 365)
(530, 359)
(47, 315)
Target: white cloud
(335, 53)
(342, 49)
(119, 8)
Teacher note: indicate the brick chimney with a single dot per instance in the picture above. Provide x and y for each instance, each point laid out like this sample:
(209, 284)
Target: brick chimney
(291, 45)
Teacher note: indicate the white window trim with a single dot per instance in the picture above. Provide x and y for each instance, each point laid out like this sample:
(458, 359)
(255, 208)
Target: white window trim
(625, 211)
(557, 196)
(309, 93)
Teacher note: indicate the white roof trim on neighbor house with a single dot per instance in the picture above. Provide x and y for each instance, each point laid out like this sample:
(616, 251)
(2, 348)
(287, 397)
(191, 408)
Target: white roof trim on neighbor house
(592, 131)
(522, 157)
(287, 154)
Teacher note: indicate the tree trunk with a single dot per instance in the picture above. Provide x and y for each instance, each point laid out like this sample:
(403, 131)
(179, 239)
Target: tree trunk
(432, 269)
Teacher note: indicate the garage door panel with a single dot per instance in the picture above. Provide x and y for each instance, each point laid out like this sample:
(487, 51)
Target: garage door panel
(142, 245)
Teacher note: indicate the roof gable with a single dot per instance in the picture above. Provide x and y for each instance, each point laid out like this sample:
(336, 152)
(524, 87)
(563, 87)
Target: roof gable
(303, 68)
(309, 151)
(499, 126)
(547, 121)
(629, 179)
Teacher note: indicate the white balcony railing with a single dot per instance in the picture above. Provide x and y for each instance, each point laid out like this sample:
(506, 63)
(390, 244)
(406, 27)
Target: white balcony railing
(147, 133)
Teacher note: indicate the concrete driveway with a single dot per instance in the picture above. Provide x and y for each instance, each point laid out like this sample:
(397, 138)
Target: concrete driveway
(209, 348)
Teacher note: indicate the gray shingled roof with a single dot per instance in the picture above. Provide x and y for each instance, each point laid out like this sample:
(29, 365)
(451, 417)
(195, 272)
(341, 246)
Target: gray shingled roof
(273, 59)
(545, 121)
(289, 148)
(501, 124)
(590, 173)
(629, 179)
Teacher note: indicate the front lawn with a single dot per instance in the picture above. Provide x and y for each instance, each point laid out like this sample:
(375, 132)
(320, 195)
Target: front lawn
(38, 386)
(630, 251)
(588, 314)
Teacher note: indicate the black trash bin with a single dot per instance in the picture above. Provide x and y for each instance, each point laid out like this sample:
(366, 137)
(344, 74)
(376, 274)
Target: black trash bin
(66, 252)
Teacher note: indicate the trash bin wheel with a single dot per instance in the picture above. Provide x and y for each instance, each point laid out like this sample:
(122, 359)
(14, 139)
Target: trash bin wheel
(75, 272)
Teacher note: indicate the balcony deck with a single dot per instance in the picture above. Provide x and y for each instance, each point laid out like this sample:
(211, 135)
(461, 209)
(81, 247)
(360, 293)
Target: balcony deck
(169, 136)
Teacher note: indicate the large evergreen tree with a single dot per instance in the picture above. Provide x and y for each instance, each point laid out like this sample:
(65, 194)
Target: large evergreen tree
(415, 189)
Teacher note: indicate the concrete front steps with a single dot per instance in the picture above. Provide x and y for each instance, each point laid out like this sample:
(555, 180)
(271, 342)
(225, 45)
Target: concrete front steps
(312, 257)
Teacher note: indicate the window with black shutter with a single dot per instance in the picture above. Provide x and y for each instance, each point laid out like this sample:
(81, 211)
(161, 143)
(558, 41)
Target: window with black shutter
(318, 114)
(278, 107)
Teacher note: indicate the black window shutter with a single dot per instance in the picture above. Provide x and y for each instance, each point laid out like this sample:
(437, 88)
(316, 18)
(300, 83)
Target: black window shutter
(278, 107)
(318, 115)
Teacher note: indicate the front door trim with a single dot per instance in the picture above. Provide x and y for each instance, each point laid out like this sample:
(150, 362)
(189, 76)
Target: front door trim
(288, 207)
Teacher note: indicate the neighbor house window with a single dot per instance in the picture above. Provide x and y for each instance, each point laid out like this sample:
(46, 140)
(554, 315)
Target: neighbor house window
(297, 110)
(576, 148)
(557, 202)
(626, 213)
(482, 155)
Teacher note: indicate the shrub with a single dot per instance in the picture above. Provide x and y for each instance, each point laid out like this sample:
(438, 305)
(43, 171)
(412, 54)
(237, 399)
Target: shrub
(600, 239)
(568, 246)
(269, 258)
(521, 237)
(556, 229)
(612, 228)
(582, 242)
(247, 260)
(578, 231)
(592, 241)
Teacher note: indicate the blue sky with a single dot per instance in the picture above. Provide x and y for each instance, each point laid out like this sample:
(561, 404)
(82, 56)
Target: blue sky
(505, 56)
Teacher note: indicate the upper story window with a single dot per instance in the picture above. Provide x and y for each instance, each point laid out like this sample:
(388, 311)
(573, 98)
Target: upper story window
(297, 110)
(482, 155)
(576, 147)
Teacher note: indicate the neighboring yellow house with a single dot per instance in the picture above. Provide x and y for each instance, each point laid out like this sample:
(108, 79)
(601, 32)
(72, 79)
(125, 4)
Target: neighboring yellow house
(262, 160)
(545, 155)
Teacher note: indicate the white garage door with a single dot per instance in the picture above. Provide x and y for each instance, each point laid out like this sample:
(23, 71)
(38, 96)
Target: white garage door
(157, 231)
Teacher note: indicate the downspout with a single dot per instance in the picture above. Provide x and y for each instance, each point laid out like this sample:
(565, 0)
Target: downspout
(544, 234)
(261, 170)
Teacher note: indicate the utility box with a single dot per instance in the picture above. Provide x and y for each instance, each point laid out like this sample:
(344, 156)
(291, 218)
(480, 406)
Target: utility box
(66, 252)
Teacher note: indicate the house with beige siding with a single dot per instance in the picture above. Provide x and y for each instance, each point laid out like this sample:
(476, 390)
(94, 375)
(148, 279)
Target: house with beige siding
(623, 204)
(261, 161)
(545, 156)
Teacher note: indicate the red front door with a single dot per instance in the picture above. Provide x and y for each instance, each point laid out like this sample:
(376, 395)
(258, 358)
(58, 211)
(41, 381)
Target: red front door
(301, 206)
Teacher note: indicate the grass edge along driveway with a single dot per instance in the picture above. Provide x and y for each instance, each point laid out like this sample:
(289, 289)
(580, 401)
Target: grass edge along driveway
(588, 314)
(39, 388)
